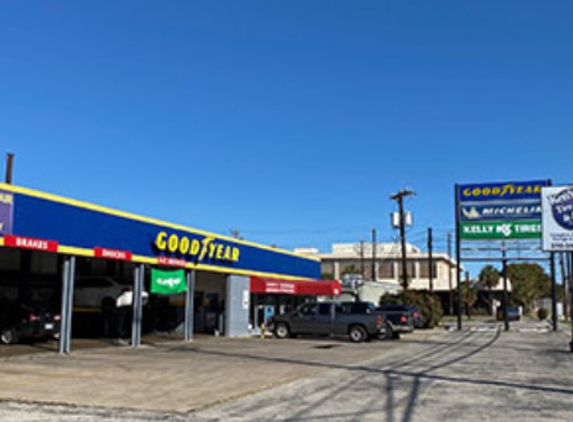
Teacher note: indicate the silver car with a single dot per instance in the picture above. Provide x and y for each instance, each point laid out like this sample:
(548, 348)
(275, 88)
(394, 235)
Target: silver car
(100, 292)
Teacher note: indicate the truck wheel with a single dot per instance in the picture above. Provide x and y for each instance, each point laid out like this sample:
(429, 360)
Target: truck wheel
(388, 333)
(357, 334)
(395, 335)
(282, 330)
(9, 336)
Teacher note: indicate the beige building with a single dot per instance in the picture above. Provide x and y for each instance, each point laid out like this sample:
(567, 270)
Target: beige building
(346, 257)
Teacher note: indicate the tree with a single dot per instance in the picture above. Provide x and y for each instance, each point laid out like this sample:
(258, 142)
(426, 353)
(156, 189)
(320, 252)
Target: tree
(529, 282)
(350, 269)
(469, 296)
(427, 303)
(489, 276)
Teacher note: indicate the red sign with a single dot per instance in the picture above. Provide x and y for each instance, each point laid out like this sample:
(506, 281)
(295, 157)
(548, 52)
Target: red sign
(112, 254)
(31, 243)
(171, 262)
(295, 287)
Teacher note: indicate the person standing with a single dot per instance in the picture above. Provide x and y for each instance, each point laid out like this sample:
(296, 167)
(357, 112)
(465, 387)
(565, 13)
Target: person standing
(123, 305)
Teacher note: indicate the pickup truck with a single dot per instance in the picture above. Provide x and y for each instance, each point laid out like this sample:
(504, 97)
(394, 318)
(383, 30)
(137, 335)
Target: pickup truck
(358, 320)
(400, 319)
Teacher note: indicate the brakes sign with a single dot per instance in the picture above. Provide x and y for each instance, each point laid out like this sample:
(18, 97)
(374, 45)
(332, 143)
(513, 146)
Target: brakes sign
(31, 243)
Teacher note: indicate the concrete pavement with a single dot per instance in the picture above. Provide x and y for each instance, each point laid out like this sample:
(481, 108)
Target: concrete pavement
(176, 377)
(480, 374)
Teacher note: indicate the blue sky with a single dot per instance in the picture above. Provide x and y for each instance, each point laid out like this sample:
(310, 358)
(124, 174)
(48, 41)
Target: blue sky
(291, 121)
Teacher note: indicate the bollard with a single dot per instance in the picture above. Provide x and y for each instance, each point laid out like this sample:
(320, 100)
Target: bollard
(262, 330)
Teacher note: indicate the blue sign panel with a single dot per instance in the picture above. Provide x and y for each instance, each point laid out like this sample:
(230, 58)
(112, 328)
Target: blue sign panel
(516, 210)
(6, 212)
(86, 226)
(503, 192)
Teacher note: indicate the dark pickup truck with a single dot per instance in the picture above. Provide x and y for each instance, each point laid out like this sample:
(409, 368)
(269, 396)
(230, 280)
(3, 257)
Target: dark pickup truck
(400, 319)
(358, 320)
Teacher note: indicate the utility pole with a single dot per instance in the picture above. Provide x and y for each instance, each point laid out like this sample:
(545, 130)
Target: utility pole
(374, 275)
(9, 167)
(553, 291)
(565, 282)
(399, 197)
(430, 260)
(362, 258)
(570, 271)
(468, 298)
(451, 298)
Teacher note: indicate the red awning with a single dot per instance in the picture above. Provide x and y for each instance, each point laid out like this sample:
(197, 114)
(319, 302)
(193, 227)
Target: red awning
(298, 287)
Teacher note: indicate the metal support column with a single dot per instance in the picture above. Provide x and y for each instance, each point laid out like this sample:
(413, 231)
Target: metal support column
(505, 293)
(139, 275)
(374, 247)
(68, 278)
(458, 259)
(430, 260)
(569, 262)
(189, 306)
(553, 291)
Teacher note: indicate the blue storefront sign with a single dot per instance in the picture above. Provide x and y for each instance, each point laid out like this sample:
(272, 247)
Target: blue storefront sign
(87, 229)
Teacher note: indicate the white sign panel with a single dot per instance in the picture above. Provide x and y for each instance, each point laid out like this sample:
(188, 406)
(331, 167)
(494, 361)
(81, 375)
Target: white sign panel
(246, 299)
(557, 218)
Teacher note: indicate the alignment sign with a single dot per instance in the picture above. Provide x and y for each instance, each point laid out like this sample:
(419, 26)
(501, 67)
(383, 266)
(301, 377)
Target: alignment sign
(558, 218)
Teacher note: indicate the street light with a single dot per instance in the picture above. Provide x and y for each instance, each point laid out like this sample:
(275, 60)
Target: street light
(399, 197)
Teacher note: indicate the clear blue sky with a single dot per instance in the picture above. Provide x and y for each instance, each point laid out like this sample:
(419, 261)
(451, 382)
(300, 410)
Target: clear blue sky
(293, 120)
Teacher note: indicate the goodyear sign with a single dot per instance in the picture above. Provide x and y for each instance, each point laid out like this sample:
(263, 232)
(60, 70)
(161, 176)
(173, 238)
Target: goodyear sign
(91, 230)
(508, 210)
(197, 250)
(501, 191)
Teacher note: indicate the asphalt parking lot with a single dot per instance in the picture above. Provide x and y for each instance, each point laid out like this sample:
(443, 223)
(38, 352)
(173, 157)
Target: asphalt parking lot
(480, 373)
(177, 377)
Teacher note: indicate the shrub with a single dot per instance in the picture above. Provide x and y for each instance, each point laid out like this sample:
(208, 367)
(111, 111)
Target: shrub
(427, 303)
(542, 314)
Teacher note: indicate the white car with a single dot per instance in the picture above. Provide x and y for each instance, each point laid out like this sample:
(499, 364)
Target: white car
(100, 292)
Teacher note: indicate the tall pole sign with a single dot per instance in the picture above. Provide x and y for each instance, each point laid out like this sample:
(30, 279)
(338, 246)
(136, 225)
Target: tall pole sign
(557, 203)
(498, 212)
(557, 226)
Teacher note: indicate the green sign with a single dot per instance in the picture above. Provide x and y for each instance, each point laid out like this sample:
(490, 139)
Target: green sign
(168, 282)
(521, 229)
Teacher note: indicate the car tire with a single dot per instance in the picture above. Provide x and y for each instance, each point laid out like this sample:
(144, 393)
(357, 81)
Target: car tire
(9, 336)
(282, 330)
(357, 334)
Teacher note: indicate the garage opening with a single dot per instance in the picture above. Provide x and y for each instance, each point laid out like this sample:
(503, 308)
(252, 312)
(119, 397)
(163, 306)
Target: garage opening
(97, 320)
(30, 301)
